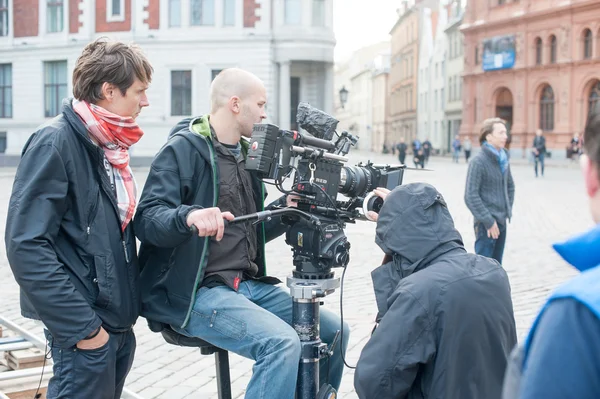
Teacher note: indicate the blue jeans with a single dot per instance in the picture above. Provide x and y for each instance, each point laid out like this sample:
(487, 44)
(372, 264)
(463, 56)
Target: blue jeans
(455, 155)
(255, 322)
(539, 158)
(96, 373)
(487, 246)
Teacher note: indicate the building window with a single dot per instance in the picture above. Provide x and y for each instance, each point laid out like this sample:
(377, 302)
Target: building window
(115, 10)
(203, 12)
(293, 12)
(5, 91)
(553, 49)
(229, 12)
(435, 100)
(175, 13)
(2, 142)
(318, 13)
(214, 73)
(55, 86)
(54, 16)
(500, 2)
(594, 99)
(442, 99)
(538, 51)
(3, 17)
(477, 55)
(587, 44)
(547, 109)
(450, 92)
(294, 101)
(181, 93)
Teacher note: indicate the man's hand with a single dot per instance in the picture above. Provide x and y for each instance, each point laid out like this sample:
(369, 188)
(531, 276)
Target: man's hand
(494, 231)
(382, 193)
(97, 342)
(209, 222)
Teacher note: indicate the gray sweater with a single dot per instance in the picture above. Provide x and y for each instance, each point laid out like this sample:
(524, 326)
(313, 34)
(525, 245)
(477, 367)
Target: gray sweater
(489, 194)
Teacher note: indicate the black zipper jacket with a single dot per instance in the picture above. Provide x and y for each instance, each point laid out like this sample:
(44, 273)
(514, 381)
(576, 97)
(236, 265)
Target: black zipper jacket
(63, 237)
(184, 176)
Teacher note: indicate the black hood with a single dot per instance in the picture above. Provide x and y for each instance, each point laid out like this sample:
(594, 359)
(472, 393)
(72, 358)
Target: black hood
(414, 228)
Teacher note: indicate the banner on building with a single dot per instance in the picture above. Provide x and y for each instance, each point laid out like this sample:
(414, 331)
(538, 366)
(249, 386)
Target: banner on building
(499, 53)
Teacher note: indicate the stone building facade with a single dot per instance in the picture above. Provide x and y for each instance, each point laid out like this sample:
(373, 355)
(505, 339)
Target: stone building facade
(553, 80)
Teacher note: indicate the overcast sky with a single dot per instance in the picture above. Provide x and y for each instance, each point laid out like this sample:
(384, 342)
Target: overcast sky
(358, 23)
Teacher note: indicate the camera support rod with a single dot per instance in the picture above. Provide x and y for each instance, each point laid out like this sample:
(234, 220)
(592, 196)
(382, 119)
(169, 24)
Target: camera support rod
(326, 155)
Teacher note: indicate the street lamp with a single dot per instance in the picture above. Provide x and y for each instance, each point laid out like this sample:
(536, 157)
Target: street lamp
(343, 96)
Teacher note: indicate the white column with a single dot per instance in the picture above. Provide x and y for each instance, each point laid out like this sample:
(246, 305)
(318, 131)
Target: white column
(284, 95)
(328, 89)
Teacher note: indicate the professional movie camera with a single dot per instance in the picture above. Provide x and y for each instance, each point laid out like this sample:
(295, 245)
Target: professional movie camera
(320, 175)
(316, 232)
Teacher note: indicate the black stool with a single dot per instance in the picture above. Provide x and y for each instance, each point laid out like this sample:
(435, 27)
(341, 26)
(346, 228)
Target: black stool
(221, 357)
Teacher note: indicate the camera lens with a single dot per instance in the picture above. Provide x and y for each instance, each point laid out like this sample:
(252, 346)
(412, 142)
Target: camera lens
(355, 181)
(373, 203)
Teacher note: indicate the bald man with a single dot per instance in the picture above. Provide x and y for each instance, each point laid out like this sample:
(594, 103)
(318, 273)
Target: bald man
(212, 284)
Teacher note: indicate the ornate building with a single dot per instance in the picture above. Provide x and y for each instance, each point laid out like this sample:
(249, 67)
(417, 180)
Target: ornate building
(402, 80)
(534, 63)
(287, 43)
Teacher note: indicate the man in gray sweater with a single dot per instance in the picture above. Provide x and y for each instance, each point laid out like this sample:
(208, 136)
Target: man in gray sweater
(490, 190)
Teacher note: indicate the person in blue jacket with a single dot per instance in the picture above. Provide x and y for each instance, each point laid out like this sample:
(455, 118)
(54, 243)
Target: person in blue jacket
(560, 357)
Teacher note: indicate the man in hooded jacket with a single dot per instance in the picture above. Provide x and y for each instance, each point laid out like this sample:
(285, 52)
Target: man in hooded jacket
(445, 323)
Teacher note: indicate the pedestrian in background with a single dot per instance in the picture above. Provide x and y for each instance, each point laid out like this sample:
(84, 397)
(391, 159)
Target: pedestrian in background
(402, 147)
(490, 190)
(560, 356)
(539, 151)
(467, 146)
(418, 156)
(456, 149)
(427, 147)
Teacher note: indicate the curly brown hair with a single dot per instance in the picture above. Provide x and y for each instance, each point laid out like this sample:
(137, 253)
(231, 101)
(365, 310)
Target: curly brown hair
(112, 62)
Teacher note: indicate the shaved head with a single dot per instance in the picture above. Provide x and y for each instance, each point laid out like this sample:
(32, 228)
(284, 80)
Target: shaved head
(233, 82)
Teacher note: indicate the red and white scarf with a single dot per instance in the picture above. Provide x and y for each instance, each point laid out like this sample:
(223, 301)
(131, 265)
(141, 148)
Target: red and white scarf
(114, 134)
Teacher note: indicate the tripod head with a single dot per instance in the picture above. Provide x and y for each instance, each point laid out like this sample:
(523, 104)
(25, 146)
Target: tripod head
(318, 242)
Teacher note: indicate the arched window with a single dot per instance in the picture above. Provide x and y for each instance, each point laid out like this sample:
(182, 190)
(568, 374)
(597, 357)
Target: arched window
(594, 98)
(553, 49)
(587, 44)
(538, 51)
(547, 109)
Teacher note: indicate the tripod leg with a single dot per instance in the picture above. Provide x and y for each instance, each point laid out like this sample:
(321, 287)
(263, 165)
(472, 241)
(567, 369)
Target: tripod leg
(305, 320)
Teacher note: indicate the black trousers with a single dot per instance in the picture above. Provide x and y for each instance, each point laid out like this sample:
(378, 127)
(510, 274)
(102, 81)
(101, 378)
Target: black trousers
(94, 374)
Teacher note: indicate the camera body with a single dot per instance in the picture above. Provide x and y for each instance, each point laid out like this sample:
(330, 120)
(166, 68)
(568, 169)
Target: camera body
(320, 175)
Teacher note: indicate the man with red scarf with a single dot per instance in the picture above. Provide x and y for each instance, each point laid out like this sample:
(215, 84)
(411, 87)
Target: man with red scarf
(69, 237)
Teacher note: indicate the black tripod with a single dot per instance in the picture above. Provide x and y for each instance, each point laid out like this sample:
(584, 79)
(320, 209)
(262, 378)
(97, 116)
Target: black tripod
(314, 256)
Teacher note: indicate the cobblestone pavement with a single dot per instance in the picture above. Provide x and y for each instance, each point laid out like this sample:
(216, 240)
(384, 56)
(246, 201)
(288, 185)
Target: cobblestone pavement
(546, 210)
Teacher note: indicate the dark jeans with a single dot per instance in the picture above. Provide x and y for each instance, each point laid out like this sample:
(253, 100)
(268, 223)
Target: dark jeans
(487, 246)
(97, 373)
(467, 155)
(540, 159)
(401, 157)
